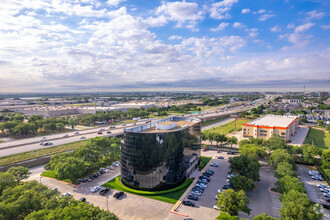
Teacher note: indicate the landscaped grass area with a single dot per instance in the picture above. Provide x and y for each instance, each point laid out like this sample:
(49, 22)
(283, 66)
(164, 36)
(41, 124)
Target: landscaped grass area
(209, 122)
(52, 174)
(39, 153)
(228, 128)
(170, 196)
(319, 138)
(204, 161)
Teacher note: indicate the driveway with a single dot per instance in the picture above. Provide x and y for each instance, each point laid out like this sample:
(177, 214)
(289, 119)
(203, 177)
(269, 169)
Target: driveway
(262, 199)
(128, 207)
(299, 137)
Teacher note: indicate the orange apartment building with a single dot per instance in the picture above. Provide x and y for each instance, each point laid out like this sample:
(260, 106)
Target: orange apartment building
(264, 127)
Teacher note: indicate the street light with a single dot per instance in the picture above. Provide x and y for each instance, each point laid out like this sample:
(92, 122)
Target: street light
(107, 203)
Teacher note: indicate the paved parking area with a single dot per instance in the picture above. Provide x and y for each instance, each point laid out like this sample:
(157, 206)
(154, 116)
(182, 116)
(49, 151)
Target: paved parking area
(312, 190)
(128, 207)
(299, 137)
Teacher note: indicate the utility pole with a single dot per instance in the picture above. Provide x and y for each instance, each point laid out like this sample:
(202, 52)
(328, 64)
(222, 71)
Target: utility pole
(107, 203)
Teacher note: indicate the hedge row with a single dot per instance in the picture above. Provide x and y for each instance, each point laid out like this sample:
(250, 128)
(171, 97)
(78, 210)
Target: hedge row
(150, 193)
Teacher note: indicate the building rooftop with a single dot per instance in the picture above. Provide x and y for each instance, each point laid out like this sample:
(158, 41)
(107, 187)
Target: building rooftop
(273, 121)
(170, 124)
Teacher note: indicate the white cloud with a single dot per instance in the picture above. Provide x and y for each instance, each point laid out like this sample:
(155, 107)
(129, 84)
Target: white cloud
(261, 11)
(315, 15)
(114, 2)
(297, 38)
(326, 27)
(175, 37)
(238, 25)
(275, 29)
(245, 10)
(303, 27)
(265, 17)
(220, 10)
(220, 27)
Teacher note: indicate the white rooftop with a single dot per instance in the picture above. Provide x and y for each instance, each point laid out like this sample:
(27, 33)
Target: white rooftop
(273, 121)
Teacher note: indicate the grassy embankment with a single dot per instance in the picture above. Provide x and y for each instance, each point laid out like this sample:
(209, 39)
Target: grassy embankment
(212, 121)
(204, 161)
(319, 138)
(228, 128)
(170, 196)
(39, 153)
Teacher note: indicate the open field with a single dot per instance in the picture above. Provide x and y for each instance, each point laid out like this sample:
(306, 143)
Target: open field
(170, 196)
(52, 174)
(319, 138)
(39, 153)
(228, 128)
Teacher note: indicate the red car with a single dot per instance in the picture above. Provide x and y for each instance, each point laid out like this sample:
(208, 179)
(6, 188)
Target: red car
(204, 149)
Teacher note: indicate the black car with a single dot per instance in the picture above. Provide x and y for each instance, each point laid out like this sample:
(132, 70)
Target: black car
(188, 203)
(220, 157)
(227, 186)
(95, 175)
(210, 171)
(328, 199)
(197, 190)
(193, 197)
(102, 171)
(83, 199)
(82, 180)
(108, 132)
(118, 195)
(104, 191)
(326, 206)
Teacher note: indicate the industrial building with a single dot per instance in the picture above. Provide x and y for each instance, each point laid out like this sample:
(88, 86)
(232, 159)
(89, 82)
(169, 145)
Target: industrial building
(162, 154)
(266, 126)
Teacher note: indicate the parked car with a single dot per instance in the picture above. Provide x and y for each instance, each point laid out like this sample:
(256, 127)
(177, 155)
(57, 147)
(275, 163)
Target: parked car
(110, 167)
(67, 194)
(188, 203)
(82, 199)
(216, 197)
(118, 195)
(218, 151)
(55, 189)
(104, 191)
(66, 135)
(196, 193)
(95, 189)
(83, 180)
(216, 207)
(221, 157)
(214, 164)
(219, 190)
(193, 197)
(328, 199)
(227, 186)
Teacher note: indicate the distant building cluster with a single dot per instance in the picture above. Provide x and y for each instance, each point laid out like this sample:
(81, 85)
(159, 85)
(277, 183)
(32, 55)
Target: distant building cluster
(264, 127)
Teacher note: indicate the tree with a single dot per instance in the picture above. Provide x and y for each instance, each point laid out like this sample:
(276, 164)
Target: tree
(325, 158)
(19, 173)
(276, 142)
(220, 138)
(287, 183)
(226, 216)
(296, 205)
(242, 183)
(232, 202)
(73, 168)
(263, 216)
(252, 150)
(6, 180)
(284, 169)
(60, 126)
(280, 155)
(232, 140)
(245, 165)
(309, 152)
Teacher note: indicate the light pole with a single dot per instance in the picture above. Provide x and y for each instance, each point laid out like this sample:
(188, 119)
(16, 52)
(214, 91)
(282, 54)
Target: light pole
(107, 203)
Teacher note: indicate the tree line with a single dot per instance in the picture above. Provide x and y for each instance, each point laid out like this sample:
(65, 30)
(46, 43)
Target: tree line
(218, 138)
(31, 200)
(95, 153)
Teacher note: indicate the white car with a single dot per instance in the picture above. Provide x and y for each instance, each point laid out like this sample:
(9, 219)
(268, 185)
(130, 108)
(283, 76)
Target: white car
(95, 189)
(67, 194)
(101, 129)
(76, 132)
(214, 165)
(219, 190)
(66, 135)
(196, 193)
(43, 138)
(201, 186)
(216, 207)
(110, 167)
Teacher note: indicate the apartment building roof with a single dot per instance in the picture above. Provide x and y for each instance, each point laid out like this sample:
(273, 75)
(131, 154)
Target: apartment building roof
(272, 121)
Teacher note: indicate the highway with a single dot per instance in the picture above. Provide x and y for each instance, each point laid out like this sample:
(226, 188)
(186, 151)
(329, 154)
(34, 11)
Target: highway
(28, 144)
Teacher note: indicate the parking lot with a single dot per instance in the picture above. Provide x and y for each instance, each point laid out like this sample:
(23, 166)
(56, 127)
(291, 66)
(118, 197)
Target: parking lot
(128, 207)
(313, 191)
(204, 206)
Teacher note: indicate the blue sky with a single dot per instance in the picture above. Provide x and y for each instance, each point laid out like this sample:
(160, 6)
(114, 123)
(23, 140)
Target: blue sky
(135, 45)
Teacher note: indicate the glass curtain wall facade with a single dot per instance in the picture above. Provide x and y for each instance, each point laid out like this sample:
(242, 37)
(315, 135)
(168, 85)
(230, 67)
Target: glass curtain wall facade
(158, 161)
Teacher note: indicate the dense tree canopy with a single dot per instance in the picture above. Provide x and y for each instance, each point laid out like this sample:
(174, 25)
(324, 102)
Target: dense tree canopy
(19, 173)
(242, 183)
(245, 165)
(284, 169)
(287, 183)
(233, 202)
(280, 155)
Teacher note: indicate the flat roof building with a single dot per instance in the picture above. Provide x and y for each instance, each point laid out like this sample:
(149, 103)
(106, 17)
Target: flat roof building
(162, 154)
(266, 126)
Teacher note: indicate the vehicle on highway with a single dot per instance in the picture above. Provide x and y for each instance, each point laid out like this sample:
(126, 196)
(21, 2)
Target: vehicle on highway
(43, 139)
(118, 195)
(42, 143)
(95, 189)
(83, 137)
(111, 126)
(76, 132)
(100, 132)
(193, 197)
(188, 203)
(67, 194)
(104, 191)
(48, 143)
(82, 199)
(101, 129)
(221, 157)
(66, 135)
(108, 132)
(123, 124)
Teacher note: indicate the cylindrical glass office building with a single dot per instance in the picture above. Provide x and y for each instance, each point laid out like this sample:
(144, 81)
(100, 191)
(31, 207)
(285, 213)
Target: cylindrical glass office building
(160, 155)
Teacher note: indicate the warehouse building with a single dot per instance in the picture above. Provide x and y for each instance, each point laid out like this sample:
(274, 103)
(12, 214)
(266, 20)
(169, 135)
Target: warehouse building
(266, 126)
(161, 154)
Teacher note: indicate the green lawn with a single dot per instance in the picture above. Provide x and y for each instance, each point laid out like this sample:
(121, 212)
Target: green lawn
(52, 174)
(204, 160)
(228, 128)
(209, 122)
(170, 196)
(319, 138)
(39, 153)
